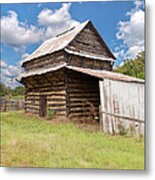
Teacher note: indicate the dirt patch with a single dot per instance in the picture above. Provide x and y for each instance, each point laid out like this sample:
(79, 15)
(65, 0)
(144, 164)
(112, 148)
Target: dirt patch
(85, 124)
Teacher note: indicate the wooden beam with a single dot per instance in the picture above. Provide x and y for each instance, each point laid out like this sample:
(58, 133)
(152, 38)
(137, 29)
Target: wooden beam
(123, 117)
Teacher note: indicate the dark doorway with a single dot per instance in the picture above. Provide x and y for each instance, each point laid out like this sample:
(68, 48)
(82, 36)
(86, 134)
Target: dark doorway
(43, 106)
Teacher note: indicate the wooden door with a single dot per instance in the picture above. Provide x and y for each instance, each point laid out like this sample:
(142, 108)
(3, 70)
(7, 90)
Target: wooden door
(43, 106)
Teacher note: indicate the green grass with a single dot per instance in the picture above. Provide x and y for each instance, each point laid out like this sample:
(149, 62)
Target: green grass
(17, 97)
(32, 142)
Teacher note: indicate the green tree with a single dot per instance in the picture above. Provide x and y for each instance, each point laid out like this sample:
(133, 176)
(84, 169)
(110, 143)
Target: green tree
(2, 89)
(133, 67)
(19, 90)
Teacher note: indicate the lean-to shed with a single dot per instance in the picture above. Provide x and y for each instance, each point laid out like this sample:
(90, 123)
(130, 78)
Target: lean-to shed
(122, 104)
(54, 77)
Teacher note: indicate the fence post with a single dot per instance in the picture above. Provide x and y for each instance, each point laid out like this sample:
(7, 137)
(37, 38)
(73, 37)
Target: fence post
(5, 104)
(11, 102)
(16, 105)
(101, 118)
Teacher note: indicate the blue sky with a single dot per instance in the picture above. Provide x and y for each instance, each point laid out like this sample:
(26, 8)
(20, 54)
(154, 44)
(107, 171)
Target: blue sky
(25, 26)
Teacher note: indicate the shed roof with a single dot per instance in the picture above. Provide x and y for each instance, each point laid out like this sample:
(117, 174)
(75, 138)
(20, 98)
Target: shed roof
(40, 71)
(61, 41)
(100, 74)
(103, 74)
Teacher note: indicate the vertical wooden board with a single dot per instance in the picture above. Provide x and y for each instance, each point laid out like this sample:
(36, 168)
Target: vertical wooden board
(130, 103)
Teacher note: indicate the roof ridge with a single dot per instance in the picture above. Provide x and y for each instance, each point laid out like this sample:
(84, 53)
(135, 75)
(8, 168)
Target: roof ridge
(73, 27)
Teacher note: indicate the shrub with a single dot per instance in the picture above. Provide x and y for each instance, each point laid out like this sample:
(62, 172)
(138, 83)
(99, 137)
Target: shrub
(122, 130)
(50, 113)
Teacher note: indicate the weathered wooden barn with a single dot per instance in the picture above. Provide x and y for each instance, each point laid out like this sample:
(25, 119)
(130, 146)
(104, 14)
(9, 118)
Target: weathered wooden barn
(51, 81)
(68, 75)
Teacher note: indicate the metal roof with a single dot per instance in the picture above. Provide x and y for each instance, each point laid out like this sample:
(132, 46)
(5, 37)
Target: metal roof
(101, 74)
(40, 71)
(56, 43)
(61, 41)
(90, 55)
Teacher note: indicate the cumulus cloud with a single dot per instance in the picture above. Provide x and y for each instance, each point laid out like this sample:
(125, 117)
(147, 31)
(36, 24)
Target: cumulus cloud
(9, 72)
(19, 34)
(16, 33)
(131, 32)
(56, 21)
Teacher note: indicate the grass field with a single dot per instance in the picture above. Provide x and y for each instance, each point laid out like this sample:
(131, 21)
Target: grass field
(31, 142)
(18, 97)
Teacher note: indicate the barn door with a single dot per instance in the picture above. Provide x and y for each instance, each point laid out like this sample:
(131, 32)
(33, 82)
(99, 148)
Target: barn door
(43, 106)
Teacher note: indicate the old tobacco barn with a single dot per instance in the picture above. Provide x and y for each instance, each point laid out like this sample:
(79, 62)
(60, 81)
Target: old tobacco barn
(63, 74)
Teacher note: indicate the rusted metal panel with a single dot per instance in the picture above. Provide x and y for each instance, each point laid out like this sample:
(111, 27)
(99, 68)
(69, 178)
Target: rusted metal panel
(122, 107)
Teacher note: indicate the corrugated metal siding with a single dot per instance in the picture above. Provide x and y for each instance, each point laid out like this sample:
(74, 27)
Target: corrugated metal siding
(122, 106)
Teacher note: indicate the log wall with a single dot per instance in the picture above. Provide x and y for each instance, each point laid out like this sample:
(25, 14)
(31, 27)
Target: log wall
(59, 58)
(89, 63)
(68, 93)
(45, 61)
(53, 86)
(83, 94)
(89, 41)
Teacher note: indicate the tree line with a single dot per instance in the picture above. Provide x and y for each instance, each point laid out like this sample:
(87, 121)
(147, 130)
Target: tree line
(4, 90)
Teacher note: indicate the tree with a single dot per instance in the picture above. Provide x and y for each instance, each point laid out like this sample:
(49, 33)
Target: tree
(2, 89)
(8, 91)
(133, 67)
(19, 90)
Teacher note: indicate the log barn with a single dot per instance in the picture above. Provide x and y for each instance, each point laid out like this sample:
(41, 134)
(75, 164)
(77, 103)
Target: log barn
(63, 74)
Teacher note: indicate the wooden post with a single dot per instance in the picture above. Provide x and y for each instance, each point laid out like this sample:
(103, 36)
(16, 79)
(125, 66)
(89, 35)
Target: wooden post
(101, 118)
(5, 104)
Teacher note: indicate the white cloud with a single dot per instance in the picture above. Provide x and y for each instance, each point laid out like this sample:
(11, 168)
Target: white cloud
(19, 34)
(118, 53)
(57, 21)
(16, 33)
(3, 64)
(139, 3)
(47, 16)
(131, 32)
(9, 72)
(25, 55)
